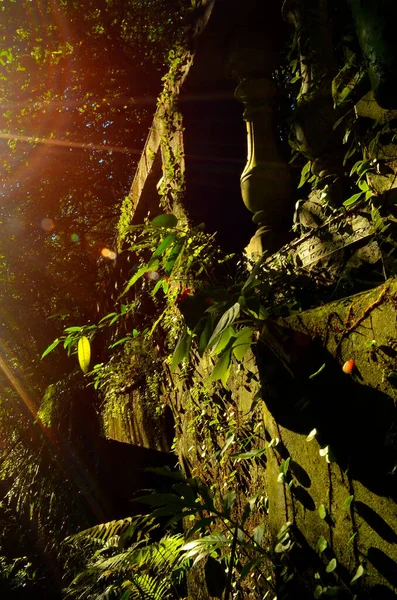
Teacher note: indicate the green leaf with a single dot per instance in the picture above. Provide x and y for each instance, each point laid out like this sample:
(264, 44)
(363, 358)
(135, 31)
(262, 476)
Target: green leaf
(331, 566)
(322, 544)
(363, 167)
(258, 534)
(285, 465)
(167, 241)
(223, 340)
(250, 454)
(221, 370)
(318, 592)
(152, 265)
(72, 329)
(320, 370)
(353, 199)
(120, 341)
(311, 435)
(322, 511)
(253, 275)
(84, 353)
(250, 565)
(348, 502)
(50, 347)
(109, 316)
(205, 335)
(363, 185)
(115, 318)
(182, 349)
(175, 252)
(226, 319)
(359, 573)
(202, 524)
(242, 343)
(355, 167)
(167, 220)
(228, 500)
(229, 441)
(159, 284)
(305, 174)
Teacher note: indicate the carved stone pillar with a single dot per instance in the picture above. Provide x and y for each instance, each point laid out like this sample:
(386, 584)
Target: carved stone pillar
(265, 181)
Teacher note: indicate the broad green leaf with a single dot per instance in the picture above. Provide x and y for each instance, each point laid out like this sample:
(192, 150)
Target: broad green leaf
(69, 340)
(359, 573)
(363, 185)
(348, 502)
(182, 349)
(305, 174)
(226, 319)
(202, 524)
(322, 511)
(84, 353)
(322, 544)
(318, 592)
(223, 340)
(353, 199)
(50, 347)
(311, 435)
(167, 241)
(221, 370)
(242, 343)
(205, 335)
(167, 220)
(331, 566)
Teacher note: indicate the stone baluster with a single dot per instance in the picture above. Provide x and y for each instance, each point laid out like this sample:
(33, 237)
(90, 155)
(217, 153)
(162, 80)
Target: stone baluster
(265, 181)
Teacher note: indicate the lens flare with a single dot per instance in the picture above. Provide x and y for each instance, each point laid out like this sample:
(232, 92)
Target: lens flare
(110, 254)
(47, 224)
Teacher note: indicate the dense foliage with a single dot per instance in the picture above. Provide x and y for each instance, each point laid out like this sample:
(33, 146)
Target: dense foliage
(78, 87)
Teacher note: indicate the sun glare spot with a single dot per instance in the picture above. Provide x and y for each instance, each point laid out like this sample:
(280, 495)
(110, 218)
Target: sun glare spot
(106, 253)
(47, 224)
